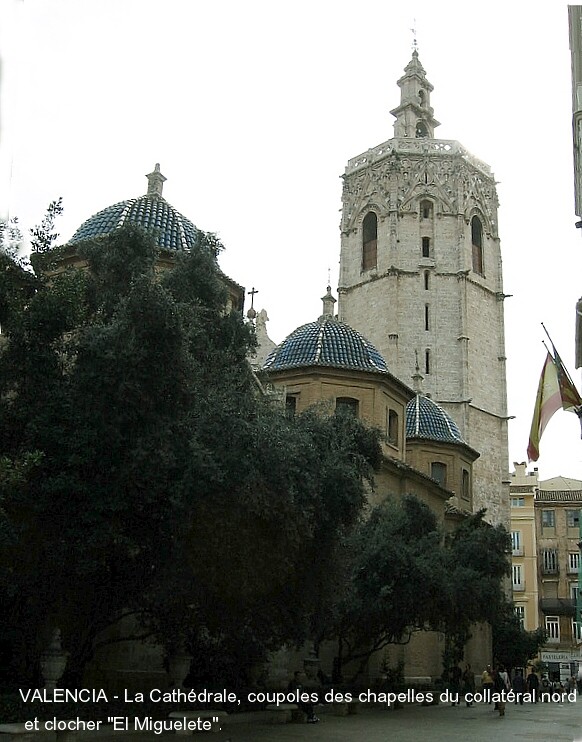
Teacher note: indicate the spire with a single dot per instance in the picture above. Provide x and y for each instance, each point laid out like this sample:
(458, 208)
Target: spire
(414, 115)
(155, 182)
(417, 377)
(328, 302)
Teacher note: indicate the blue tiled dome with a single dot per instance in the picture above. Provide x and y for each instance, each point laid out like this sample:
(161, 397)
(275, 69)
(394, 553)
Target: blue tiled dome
(426, 419)
(327, 342)
(151, 212)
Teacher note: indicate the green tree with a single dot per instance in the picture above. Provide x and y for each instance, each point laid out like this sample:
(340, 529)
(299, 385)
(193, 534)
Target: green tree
(512, 644)
(395, 582)
(162, 485)
(43, 236)
(477, 560)
(407, 575)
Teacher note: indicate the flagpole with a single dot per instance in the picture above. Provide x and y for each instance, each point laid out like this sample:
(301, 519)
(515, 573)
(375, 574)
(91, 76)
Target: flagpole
(577, 409)
(554, 354)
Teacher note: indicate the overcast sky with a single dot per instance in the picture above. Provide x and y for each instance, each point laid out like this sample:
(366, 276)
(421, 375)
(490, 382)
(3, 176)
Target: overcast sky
(253, 109)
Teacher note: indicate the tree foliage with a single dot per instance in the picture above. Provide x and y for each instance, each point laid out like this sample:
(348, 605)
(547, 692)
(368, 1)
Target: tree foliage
(512, 644)
(43, 236)
(477, 559)
(153, 479)
(407, 575)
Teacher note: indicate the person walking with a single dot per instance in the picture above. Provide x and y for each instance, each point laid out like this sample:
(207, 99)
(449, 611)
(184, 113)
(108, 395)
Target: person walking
(487, 683)
(502, 685)
(533, 685)
(519, 686)
(455, 674)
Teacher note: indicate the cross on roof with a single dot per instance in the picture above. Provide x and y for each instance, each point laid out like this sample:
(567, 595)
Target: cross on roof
(252, 293)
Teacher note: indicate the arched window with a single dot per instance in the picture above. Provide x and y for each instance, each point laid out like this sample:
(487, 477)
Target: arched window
(421, 130)
(426, 210)
(426, 280)
(465, 485)
(426, 247)
(438, 471)
(426, 317)
(427, 361)
(392, 427)
(346, 406)
(477, 244)
(422, 97)
(369, 241)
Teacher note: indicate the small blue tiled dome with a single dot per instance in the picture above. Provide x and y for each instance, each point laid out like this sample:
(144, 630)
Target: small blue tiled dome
(326, 342)
(426, 419)
(152, 212)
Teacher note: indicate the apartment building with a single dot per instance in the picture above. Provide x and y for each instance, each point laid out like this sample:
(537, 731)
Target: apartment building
(545, 536)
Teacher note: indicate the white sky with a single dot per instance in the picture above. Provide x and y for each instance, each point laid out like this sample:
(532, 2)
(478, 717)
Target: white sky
(253, 109)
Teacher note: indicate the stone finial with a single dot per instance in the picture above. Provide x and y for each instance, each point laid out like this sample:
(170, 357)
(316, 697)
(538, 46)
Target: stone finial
(262, 318)
(328, 304)
(417, 377)
(155, 182)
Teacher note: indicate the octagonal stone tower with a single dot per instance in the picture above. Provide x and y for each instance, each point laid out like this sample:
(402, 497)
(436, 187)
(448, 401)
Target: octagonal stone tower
(421, 277)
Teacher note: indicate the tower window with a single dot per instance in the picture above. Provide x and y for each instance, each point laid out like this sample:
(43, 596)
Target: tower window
(465, 484)
(346, 406)
(426, 247)
(427, 361)
(392, 427)
(369, 241)
(477, 244)
(290, 404)
(422, 97)
(426, 280)
(426, 210)
(426, 317)
(438, 471)
(421, 130)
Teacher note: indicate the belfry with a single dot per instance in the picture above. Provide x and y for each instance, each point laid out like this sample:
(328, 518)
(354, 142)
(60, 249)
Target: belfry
(421, 276)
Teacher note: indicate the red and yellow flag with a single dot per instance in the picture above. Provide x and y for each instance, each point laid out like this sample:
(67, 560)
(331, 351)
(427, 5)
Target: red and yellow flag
(568, 392)
(548, 401)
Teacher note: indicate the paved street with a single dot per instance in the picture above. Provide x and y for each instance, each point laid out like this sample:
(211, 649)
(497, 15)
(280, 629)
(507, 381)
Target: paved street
(535, 723)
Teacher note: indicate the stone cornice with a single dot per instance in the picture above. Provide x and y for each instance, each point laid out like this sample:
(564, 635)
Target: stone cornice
(409, 146)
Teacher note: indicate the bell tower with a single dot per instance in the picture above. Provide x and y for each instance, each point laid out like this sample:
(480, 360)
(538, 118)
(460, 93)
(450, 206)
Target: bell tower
(414, 115)
(421, 277)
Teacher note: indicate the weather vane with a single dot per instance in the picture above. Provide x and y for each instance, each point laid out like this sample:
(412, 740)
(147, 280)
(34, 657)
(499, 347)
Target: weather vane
(414, 40)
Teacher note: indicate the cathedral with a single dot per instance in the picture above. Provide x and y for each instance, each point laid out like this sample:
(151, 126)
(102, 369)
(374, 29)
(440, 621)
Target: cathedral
(416, 346)
(421, 278)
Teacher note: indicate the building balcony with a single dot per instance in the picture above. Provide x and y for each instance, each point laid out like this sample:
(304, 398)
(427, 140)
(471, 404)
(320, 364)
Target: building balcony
(558, 606)
(546, 570)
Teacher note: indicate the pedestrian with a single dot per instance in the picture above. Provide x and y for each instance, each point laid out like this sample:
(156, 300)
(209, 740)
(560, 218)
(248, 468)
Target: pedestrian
(487, 682)
(519, 686)
(468, 684)
(455, 674)
(533, 685)
(502, 685)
